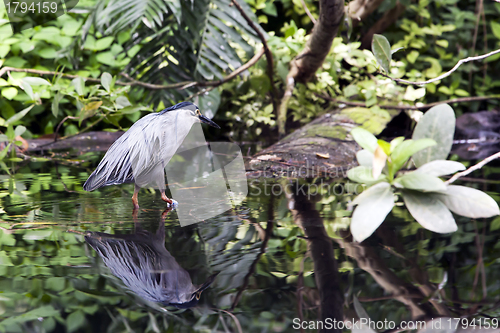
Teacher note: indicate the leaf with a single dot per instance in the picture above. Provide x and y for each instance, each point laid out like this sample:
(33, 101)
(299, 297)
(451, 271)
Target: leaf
(431, 213)
(75, 320)
(55, 103)
(365, 139)
(18, 115)
(360, 311)
(365, 158)
(106, 79)
(19, 130)
(4, 152)
(379, 159)
(9, 92)
(395, 142)
(363, 175)
(35, 314)
(406, 149)
(469, 202)
(79, 85)
(36, 81)
(440, 168)
(89, 110)
(382, 51)
(421, 182)
(495, 27)
(27, 89)
(122, 102)
(373, 206)
(438, 124)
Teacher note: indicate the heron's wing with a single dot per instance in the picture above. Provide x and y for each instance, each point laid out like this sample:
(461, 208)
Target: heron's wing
(129, 150)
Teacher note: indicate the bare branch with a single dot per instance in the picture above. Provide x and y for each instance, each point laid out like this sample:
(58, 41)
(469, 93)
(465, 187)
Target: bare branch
(412, 107)
(473, 168)
(313, 20)
(442, 76)
(269, 55)
(133, 82)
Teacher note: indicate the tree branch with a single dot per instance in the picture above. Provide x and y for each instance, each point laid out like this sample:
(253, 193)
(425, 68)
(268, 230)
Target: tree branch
(473, 168)
(269, 55)
(442, 76)
(133, 82)
(413, 107)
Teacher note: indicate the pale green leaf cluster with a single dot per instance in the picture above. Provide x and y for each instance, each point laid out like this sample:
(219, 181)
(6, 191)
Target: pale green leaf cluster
(428, 199)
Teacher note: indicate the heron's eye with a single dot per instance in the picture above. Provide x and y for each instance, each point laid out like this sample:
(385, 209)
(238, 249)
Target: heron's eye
(198, 295)
(198, 113)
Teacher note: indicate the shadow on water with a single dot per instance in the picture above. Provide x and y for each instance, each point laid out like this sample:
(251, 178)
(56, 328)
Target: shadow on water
(76, 261)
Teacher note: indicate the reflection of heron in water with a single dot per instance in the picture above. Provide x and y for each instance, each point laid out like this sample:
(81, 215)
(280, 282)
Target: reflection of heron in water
(144, 265)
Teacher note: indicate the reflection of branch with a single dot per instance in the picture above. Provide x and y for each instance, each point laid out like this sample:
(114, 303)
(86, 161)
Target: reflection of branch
(442, 76)
(269, 55)
(473, 168)
(263, 247)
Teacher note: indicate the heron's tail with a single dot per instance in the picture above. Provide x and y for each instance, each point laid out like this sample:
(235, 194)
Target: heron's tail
(91, 183)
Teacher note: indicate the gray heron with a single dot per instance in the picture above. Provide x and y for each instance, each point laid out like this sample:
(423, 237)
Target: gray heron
(140, 155)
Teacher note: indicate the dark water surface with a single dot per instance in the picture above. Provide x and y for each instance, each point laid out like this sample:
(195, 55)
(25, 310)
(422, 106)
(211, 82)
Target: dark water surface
(73, 261)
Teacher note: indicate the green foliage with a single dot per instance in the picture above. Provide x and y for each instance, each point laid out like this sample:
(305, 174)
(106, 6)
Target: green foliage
(427, 198)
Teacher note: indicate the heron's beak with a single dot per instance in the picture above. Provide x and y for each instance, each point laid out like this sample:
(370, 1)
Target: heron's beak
(205, 120)
(207, 283)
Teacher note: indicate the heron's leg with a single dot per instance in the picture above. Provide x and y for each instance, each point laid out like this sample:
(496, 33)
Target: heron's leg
(134, 197)
(164, 197)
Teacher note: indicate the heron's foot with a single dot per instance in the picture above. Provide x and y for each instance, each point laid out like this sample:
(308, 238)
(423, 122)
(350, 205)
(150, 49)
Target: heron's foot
(165, 198)
(174, 204)
(165, 212)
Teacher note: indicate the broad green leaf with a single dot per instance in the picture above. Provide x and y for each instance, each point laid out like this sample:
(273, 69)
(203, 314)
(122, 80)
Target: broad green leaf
(19, 130)
(395, 142)
(373, 206)
(440, 168)
(75, 320)
(469, 202)
(106, 79)
(363, 175)
(386, 147)
(122, 102)
(27, 89)
(3, 138)
(406, 149)
(79, 85)
(18, 115)
(55, 103)
(9, 92)
(36, 81)
(421, 182)
(35, 314)
(438, 124)
(382, 51)
(130, 109)
(365, 158)
(431, 213)
(4, 152)
(365, 139)
(495, 27)
(89, 110)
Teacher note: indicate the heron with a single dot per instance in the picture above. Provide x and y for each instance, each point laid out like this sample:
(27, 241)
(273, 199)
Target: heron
(144, 265)
(140, 155)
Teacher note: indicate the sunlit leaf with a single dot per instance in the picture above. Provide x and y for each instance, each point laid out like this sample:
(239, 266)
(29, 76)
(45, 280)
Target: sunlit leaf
(429, 211)
(421, 182)
(365, 158)
(19, 130)
(438, 124)
(79, 85)
(55, 103)
(89, 110)
(365, 139)
(469, 202)
(395, 142)
(106, 79)
(373, 206)
(406, 149)
(440, 168)
(18, 115)
(363, 175)
(382, 51)
(36, 81)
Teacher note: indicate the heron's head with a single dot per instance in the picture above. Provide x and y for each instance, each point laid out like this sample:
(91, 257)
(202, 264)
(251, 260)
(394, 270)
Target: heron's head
(194, 296)
(192, 111)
